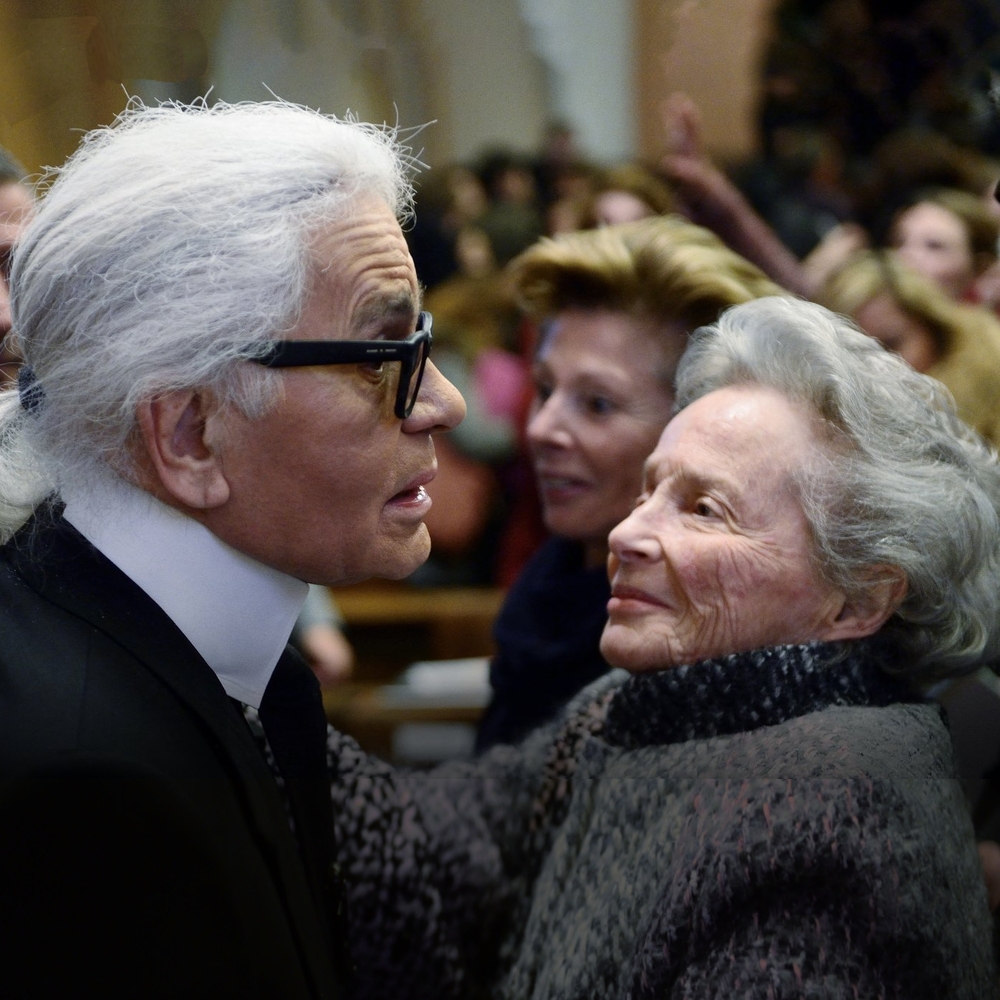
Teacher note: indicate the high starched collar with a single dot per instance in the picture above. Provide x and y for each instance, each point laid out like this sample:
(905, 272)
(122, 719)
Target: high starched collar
(237, 612)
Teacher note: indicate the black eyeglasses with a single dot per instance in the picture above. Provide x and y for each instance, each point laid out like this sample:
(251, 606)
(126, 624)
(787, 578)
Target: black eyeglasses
(411, 353)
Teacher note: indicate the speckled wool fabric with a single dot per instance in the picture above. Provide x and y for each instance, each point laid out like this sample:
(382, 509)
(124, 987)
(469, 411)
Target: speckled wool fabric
(774, 824)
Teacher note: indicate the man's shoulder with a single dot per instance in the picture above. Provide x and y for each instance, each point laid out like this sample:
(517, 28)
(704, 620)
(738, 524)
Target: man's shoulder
(69, 685)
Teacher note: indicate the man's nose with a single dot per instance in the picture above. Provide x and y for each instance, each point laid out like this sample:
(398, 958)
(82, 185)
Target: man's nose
(439, 405)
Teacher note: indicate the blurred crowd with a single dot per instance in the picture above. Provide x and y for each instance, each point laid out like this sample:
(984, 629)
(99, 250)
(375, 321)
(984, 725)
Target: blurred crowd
(873, 193)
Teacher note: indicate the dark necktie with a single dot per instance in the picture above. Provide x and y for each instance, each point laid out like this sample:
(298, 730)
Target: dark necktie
(291, 713)
(294, 723)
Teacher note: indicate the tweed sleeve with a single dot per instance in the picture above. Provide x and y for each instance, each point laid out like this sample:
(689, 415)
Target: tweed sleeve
(434, 865)
(827, 888)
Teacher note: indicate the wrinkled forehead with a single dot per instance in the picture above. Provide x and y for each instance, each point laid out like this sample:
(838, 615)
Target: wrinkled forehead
(746, 429)
(362, 261)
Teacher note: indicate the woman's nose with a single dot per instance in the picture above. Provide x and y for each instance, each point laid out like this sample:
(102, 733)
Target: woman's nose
(548, 425)
(439, 405)
(633, 539)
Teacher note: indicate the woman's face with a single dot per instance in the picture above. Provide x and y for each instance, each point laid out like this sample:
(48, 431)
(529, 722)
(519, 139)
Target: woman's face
(601, 401)
(611, 208)
(716, 557)
(882, 318)
(934, 242)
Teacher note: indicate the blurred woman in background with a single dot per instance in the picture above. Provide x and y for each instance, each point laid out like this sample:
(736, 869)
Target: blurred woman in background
(949, 236)
(615, 306)
(913, 316)
(627, 193)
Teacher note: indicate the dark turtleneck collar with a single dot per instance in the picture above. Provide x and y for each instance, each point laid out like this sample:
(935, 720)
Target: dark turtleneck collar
(746, 691)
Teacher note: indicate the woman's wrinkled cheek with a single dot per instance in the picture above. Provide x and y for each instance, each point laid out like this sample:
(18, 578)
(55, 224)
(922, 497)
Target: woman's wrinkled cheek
(723, 587)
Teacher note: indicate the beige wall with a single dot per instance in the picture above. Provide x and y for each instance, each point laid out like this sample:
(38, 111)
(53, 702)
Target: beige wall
(710, 50)
(464, 67)
(470, 64)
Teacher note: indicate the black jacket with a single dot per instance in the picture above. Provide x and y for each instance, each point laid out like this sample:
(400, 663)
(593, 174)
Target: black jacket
(145, 849)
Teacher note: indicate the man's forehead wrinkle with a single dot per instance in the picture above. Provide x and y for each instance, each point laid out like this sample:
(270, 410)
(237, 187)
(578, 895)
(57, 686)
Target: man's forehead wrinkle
(339, 241)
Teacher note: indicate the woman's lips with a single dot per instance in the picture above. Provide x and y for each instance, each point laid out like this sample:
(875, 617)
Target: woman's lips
(626, 599)
(555, 488)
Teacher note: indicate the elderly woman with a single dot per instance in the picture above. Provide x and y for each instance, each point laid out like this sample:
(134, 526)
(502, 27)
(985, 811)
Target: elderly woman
(759, 804)
(615, 306)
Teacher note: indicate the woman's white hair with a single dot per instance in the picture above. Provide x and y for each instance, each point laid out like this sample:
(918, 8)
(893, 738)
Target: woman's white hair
(904, 482)
(167, 244)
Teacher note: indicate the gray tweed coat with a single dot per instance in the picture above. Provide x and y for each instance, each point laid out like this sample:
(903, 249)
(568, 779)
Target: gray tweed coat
(774, 824)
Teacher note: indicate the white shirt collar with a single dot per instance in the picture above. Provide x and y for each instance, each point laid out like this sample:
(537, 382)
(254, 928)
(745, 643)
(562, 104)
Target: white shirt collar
(237, 612)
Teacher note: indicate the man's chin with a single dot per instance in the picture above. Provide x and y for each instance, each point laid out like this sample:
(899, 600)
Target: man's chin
(385, 560)
(404, 557)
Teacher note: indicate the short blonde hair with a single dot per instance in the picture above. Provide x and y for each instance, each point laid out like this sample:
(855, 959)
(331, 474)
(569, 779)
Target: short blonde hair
(662, 269)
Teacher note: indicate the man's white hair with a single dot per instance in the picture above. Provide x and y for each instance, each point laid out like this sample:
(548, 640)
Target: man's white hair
(168, 243)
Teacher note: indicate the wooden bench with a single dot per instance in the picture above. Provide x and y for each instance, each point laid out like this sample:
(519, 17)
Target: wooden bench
(392, 625)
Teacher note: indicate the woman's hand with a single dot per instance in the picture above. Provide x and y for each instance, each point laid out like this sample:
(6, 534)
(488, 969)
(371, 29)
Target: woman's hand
(709, 198)
(705, 193)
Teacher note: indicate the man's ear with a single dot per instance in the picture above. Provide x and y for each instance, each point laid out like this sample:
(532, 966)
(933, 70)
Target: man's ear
(181, 431)
(868, 613)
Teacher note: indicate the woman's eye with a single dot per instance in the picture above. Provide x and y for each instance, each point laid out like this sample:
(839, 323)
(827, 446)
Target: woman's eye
(542, 391)
(702, 508)
(599, 405)
(374, 367)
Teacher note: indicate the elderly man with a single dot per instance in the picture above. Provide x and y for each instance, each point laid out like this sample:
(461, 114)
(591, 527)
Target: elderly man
(16, 205)
(226, 394)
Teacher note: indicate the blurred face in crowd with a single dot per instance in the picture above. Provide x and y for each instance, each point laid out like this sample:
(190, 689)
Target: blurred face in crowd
(16, 207)
(716, 557)
(602, 398)
(884, 319)
(329, 484)
(935, 242)
(614, 207)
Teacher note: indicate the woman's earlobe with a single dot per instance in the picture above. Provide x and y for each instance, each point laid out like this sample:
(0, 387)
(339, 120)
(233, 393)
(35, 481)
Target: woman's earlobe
(181, 452)
(885, 590)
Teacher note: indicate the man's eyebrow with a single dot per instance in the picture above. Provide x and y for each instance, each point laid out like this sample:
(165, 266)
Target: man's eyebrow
(377, 311)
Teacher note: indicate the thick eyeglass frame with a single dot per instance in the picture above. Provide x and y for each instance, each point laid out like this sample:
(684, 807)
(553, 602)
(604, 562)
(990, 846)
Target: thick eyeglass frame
(411, 353)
